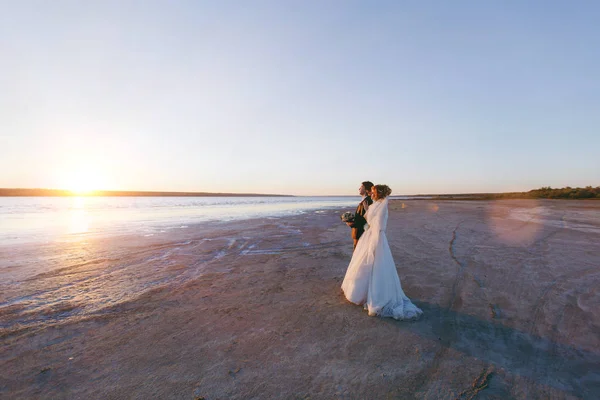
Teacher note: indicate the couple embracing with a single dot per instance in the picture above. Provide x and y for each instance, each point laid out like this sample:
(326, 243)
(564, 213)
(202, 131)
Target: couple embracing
(371, 278)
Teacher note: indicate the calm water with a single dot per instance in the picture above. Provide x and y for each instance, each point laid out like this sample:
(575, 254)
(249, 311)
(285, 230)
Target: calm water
(30, 219)
(63, 258)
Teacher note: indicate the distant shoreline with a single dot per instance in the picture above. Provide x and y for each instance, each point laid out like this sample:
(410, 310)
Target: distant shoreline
(4, 192)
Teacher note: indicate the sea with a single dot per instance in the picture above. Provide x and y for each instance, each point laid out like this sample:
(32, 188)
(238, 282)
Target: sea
(44, 219)
(65, 259)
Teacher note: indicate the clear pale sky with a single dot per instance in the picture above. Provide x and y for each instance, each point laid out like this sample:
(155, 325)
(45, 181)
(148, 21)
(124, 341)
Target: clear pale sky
(299, 97)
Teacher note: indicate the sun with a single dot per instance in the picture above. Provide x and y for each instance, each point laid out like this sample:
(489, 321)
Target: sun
(81, 189)
(85, 181)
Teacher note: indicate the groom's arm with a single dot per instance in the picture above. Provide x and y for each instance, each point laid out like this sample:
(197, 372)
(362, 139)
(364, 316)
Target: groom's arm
(359, 219)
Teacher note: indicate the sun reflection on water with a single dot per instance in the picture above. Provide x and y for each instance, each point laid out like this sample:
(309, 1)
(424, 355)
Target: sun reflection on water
(79, 217)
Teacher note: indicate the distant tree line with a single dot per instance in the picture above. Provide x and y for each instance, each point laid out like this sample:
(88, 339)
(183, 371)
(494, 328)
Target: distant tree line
(567, 193)
(547, 192)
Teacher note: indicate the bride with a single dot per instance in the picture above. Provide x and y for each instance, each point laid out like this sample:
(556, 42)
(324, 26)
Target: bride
(371, 279)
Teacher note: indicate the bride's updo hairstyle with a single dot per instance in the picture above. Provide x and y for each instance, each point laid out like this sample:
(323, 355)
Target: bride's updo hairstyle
(383, 191)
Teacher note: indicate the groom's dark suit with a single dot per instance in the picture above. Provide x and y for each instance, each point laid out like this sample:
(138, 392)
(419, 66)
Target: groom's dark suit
(358, 226)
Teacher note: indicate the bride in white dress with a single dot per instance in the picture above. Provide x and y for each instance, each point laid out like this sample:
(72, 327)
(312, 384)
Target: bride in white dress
(371, 279)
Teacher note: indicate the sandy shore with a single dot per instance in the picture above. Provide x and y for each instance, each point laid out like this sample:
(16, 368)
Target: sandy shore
(510, 292)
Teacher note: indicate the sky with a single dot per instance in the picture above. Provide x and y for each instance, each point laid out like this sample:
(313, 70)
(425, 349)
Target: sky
(299, 97)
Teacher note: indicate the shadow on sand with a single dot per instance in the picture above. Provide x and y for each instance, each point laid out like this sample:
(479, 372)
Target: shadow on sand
(567, 368)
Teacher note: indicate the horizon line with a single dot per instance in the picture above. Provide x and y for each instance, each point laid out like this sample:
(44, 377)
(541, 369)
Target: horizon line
(16, 192)
(45, 192)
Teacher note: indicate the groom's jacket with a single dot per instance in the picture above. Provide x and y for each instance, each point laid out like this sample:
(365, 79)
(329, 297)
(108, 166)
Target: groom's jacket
(358, 226)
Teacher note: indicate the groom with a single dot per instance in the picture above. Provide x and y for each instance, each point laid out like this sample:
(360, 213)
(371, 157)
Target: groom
(358, 225)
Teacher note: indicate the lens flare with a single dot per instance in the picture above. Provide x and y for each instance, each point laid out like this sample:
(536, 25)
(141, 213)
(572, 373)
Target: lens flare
(515, 224)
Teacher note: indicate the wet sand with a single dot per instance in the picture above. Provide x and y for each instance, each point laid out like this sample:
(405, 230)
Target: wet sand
(253, 310)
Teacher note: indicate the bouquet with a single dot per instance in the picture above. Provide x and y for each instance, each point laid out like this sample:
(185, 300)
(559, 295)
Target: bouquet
(347, 217)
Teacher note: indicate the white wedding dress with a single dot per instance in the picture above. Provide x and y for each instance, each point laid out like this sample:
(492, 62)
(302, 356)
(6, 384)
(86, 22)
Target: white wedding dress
(371, 279)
